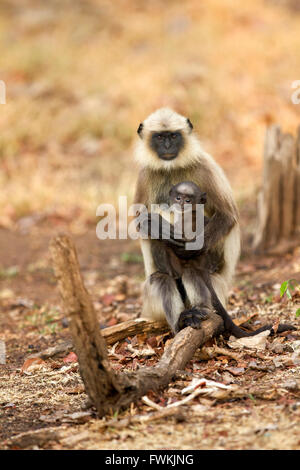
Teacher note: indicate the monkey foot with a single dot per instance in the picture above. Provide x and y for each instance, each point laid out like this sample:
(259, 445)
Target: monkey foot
(192, 317)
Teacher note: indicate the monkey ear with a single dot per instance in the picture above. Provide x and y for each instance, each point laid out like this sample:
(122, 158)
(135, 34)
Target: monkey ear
(190, 124)
(139, 131)
(203, 198)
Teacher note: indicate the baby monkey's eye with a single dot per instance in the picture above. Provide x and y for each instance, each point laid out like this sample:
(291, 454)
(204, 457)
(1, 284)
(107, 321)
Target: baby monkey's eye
(177, 198)
(187, 200)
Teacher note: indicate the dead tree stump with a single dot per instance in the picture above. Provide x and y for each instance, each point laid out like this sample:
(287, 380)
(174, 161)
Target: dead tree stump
(279, 200)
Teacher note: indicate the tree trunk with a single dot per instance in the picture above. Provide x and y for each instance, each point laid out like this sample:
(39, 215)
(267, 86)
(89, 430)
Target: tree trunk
(279, 200)
(98, 377)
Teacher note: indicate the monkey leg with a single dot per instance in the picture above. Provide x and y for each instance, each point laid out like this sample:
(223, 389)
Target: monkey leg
(161, 299)
(199, 298)
(164, 259)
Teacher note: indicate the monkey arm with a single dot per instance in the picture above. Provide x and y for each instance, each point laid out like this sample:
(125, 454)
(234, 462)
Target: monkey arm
(217, 228)
(163, 230)
(220, 205)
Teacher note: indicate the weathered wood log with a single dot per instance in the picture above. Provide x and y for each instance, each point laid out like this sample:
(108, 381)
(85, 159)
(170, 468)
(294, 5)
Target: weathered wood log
(111, 334)
(108, 390)
(279, 200)
(175, 357)
(98, 377)
(118, 332)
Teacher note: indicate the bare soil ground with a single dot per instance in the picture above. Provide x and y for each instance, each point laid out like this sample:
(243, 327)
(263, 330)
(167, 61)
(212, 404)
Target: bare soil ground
(41, 399)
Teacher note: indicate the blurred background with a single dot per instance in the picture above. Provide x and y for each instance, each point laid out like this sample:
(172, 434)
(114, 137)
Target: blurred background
(82, 74)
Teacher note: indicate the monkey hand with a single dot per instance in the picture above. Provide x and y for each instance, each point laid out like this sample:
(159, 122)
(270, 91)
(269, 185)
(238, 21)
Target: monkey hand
(149, 225)
(160, 229)
(192, 317)
(188, 249)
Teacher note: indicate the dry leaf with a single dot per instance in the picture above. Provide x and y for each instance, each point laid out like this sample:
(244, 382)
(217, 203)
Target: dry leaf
(236, 370)
(33, 364)
(201, 383)
(244, 319)
(107, 300)
(144, 352)
(258, 341)
(112, 322)
(71, 357)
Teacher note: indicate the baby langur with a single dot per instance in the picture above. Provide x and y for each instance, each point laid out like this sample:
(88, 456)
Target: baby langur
(183, 196)
(186, 196)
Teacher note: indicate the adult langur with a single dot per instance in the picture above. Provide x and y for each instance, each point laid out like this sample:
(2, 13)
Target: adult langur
(169, 153)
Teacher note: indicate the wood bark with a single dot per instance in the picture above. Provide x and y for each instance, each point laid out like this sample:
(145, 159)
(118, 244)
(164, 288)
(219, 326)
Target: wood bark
(115, 333)
(108, 390)
(97, 375)
(111, 334)
(279, 200)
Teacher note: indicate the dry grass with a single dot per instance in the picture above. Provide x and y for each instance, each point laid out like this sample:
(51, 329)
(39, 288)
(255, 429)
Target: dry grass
(81, 75)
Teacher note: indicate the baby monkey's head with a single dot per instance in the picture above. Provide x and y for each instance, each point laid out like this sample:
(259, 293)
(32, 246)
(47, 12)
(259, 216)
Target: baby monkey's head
(186, 192)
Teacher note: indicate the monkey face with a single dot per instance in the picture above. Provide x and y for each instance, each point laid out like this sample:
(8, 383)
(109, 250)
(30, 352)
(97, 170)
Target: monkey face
(165, 141)
(182, 199)
(187, 193)
(166, 144)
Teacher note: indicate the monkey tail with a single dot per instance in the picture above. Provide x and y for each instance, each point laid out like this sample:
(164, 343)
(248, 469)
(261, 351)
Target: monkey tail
(281, 327)
(235, 330)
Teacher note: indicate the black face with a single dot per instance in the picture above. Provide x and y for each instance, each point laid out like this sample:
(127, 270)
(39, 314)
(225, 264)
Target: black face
(187, 193)
(167, 144)
(182, 199)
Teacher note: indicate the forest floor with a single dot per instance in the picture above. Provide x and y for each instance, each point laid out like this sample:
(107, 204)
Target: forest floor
(42, 402)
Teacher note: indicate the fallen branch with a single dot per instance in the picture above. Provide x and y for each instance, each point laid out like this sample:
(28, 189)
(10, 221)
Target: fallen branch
(115, 333)
(107, 389)
(38, 437)
(111, 334)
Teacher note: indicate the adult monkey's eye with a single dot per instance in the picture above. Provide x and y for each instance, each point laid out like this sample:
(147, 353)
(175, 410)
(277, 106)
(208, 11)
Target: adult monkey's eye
(159, 136)
(173, 136)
